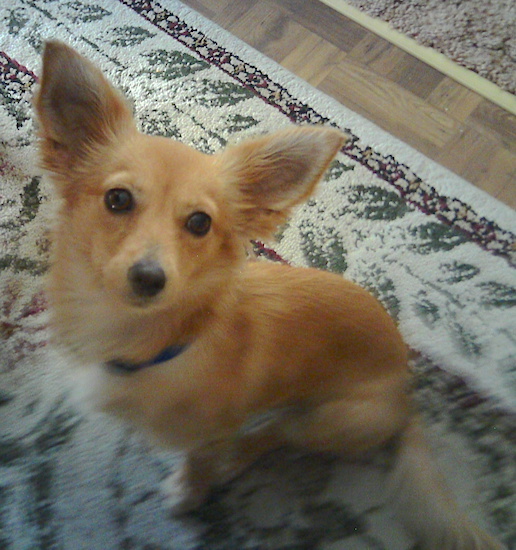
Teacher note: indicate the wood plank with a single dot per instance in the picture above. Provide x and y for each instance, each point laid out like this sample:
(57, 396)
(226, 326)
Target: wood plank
(313, 59)
(228, 12)
(415, 76)
(395, 109)
(499, 173)
(322, 20)
(386, 59)
(269, 29)
(498, 121)
(478, 158)
(206, 7)
(370, 50)
(454, 99)
(508, 194)
(405, 70)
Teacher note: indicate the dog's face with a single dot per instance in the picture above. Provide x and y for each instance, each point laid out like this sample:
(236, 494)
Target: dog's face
(163, 230)
(148, 222)
(152, 224)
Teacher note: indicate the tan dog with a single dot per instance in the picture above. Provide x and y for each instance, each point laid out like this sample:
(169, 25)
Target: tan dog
(151, 292)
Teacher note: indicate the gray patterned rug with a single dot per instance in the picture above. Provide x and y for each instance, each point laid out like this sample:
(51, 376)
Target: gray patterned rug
(477, 34)
(438, 253)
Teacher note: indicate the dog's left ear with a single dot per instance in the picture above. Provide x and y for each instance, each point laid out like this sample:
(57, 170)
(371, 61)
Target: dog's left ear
(268, 176)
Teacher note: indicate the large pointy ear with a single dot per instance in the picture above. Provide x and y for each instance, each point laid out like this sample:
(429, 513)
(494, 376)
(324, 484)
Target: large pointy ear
(77, 108)
(266, 177)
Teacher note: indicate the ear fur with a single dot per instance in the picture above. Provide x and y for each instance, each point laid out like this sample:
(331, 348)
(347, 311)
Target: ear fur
(268, 176)
(77, 108)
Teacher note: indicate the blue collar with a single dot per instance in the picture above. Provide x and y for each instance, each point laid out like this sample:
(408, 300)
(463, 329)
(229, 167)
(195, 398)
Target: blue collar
(165, 355)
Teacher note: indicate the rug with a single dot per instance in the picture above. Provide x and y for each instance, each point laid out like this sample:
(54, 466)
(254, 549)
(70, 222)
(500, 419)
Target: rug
(477, 34)
(437, 252)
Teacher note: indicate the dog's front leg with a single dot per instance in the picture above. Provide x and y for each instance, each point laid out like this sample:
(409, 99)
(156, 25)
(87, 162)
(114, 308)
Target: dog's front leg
(215, 464)
(188, 487)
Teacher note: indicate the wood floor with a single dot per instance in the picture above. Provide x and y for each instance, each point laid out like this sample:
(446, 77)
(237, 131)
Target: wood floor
(446, 121)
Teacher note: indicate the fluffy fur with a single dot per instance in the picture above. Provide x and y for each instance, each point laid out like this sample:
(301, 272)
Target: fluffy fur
(309, 344)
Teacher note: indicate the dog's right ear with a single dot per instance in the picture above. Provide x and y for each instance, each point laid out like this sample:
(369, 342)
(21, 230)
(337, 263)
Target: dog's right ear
(77, 108)
(267, 176)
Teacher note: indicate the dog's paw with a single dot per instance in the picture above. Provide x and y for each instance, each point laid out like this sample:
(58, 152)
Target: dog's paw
(181, 495)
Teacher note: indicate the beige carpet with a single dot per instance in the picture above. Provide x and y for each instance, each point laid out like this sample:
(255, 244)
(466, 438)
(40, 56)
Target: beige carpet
(477, 34)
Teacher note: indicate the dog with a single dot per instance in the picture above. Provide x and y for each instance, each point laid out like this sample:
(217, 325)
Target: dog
(177, 332)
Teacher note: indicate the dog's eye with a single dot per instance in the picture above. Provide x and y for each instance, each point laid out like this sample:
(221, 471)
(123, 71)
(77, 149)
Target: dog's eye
(198, 224)
(119, 200)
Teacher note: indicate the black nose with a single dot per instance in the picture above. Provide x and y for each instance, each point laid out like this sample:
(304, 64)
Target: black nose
(146, 278)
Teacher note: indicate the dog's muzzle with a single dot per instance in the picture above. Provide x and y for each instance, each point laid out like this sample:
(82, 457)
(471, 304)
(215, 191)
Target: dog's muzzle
(147, 278)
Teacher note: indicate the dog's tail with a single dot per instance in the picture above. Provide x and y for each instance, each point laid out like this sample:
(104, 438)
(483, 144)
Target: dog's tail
(425, 505)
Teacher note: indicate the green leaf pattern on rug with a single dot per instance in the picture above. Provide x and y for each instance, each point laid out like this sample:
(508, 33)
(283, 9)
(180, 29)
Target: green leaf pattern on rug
(236, 123)
(497, 295)
(159, 123)
(19, 264)
(427, 311)
(376, 203)
(14, 257)
(86, 13)
(467, 340)
(457, 272)
(172, 65)
(129, 36)
(336, 169)
(18, 110)
(383, 287)
(218, 94)
(18, 18)
(434, 237)
(323, 248)
(31, 200)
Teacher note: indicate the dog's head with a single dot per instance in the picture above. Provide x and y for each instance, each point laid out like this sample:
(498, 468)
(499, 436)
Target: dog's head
(148, 221)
